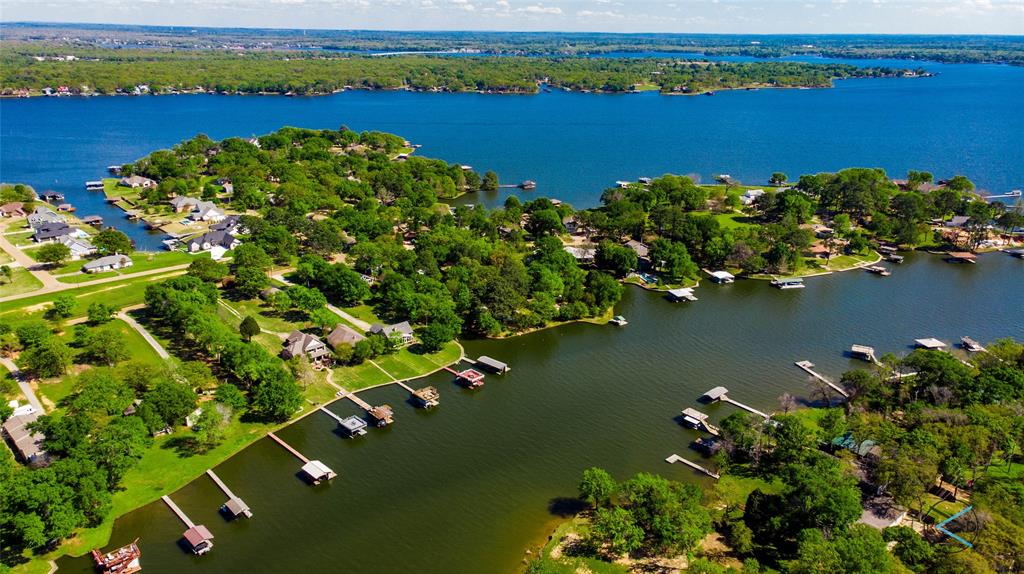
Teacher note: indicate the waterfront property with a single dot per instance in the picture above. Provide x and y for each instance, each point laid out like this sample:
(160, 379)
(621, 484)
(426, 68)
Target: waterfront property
(794, 283)
(213, 240)
(493, 365)
(692, 418)
(681, 294)
(136, 182)
(124, 560)
(971, 345)
(353, 426)
(401, 332)
(198, 537)
(27, 444)
(298, 344)
(344, 335)
(427, 397)
(12, 209)
(42, 215)
(722, 276)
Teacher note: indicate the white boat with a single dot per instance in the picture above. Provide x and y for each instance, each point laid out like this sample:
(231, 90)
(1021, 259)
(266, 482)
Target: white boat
(619, 320)
(795, 283)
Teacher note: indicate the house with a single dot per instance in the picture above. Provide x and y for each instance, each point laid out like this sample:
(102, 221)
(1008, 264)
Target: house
(213, 239)
(230, 224)
(182, 203)
(42, 215)
(401, 330)
(51, 232)
(27, 444)
(207, 211)
(137, 181)
(582, 254)
(79, 247)
(751, 195)
(108, 263)
(641, 249)
(13, 209)
(957, 221)
(344, 335)
(571, 224)
(299, 343)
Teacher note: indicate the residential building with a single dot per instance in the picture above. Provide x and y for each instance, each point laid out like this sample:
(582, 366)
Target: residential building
(79, 247)
(137, 181)
(213, 239)
(42, 215)
(51, 232)
(26, 444)
(13, 209)
(299, 343)
(344, 335)
(402, 331)
(108, 263)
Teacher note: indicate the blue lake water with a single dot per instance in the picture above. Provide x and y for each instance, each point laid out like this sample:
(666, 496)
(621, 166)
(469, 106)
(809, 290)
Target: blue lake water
(967, 120)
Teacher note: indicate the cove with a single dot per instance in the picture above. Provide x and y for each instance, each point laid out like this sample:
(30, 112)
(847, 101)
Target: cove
(469, 487)
(964, 120)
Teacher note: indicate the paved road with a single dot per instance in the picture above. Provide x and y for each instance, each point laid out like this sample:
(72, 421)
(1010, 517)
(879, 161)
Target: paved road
(357, 322)
(26, 388)
(160, 350)
(66, 286)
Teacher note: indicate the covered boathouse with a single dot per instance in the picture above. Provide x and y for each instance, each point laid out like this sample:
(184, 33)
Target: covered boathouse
(199, 539)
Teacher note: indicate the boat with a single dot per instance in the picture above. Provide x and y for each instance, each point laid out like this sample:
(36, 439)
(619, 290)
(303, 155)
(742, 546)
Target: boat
(1014, 193)
(619, 320)
(893, 258)
(795, 283)
(94, 185)
(528, 184)
(971, 345)
(879, 270)
(124, 560)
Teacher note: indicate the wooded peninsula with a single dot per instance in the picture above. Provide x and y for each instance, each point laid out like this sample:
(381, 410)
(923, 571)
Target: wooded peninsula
(57, 70)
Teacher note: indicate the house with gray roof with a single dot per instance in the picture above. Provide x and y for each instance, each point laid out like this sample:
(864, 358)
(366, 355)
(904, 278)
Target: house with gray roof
(27, 444)
(42, 215)
(208, 241)
(48, 232)
(402, 331)
(108, 263)
(344, 335)
(79, 247)
(137, 181)
(299, 343)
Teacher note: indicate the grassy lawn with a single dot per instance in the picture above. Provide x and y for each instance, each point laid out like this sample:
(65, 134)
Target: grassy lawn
(266, 317)
(734, 220)
(733, 490)
(21, 282)
(843, 262)
(5, 258)
(141, 261)
(402, 365)
(362, 312)
(21, 238)
(117, 294)
(575, 564)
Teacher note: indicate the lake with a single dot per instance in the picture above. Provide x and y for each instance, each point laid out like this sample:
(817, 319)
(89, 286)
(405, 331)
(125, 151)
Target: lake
(964, 120)
(466, 488)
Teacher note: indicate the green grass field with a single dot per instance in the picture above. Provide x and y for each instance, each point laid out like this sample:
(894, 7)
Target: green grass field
(734, 220)
(402, 365)
(22, 281)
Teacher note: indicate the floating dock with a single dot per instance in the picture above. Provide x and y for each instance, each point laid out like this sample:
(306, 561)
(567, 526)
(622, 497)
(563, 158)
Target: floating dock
(809, 368)
(235, 506)
(683, 294)
(864, 352)
(198, 537)
(676, 458)
(971, 345)
(930, 343)
(721, 394)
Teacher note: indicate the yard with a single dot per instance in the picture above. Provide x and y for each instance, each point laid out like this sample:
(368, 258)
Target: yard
(71, 272)
(22, 281)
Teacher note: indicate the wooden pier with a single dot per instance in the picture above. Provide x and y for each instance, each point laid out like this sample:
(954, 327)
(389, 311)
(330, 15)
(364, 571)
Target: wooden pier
(177, 511)
(721, 394)
(676, 458)
(332, 414)
(235, 506)
(288, 447)
(355, 399)
(809, 368)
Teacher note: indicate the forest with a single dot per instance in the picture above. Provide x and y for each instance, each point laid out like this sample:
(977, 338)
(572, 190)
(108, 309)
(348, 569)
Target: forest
(106, 71)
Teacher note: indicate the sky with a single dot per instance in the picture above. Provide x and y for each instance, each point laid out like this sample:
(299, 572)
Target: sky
(682, 16)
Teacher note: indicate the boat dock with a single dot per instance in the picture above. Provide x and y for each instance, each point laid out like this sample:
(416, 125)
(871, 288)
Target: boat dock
(698, 420)
(809, 368)
(355, 399)
(721, 394)
(235, 506)
(178, 512)
(864, 352)
(971, 345)
(198, 537)
(676, 458)
(288, 447)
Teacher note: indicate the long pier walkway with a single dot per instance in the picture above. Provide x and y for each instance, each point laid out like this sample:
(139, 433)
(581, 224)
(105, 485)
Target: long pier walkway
(288, 447)
(355, 399)
(179, 512)
(745, 407)
(676, 458)
(332, 414)
(220, 483)
(809, 368)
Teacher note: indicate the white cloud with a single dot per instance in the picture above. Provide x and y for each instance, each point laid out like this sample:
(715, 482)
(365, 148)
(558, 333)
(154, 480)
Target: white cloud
(540, 9)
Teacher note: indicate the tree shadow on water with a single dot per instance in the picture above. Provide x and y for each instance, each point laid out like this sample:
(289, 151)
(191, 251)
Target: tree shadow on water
(566, 506)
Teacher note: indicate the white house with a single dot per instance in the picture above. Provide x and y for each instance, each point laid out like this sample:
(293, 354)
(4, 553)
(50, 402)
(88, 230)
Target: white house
(79, 247)
(108, 263)
(750, 196)
(137, 181)
(213, 239)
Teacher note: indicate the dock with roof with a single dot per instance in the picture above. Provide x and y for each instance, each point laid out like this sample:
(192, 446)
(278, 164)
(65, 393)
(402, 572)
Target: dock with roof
(235, 506)
(722, 394)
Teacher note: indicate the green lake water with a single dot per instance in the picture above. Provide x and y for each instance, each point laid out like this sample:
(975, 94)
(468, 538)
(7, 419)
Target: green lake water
(469, 486)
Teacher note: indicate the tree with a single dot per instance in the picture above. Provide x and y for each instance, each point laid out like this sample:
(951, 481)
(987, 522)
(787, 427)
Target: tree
(249, 328)
(862, 550)
(32, 333)
(777, 178)
(53, 253)
(912, 550)
(597, 486)
(490, 182)
(618, 259)
(209, 426)
(49, 358)
(7, 273)
(107, 346)
(99, 313)
(110, 241)
(207, 269)
(167, 404)
(617, 528)
(231, 396)
(64, 306)
(249, 281)
(276, 397)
